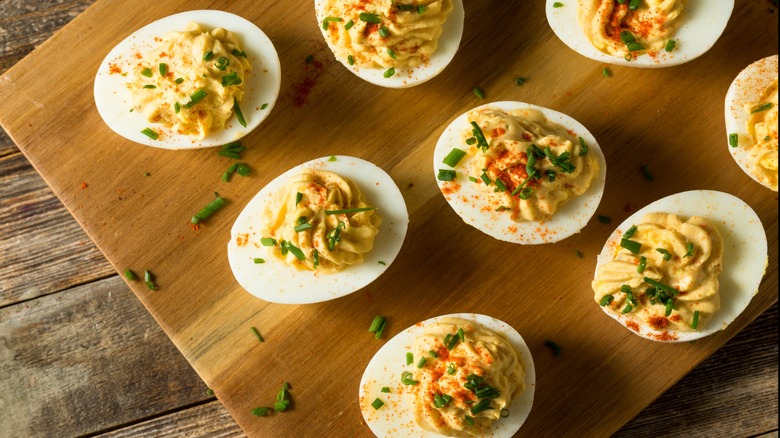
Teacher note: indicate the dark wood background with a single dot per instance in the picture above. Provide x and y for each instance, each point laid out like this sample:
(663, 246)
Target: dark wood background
(80, 355)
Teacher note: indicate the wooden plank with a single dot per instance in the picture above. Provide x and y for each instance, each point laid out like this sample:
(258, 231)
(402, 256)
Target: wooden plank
(43, 250)
(86, 360)
(207, 314)
(205, 420)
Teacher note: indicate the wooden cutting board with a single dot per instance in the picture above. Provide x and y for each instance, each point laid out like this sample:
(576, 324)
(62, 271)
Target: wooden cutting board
(669, 119)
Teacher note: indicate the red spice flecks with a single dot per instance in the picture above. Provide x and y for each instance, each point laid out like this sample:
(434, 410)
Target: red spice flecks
(302, 89)
(449, 188)
(658, 322)
(83, 185)
(242, 240)
(114, 69)
(633, 326)
(443, 353)
(665, 336)
(498, 132)
(195, 227)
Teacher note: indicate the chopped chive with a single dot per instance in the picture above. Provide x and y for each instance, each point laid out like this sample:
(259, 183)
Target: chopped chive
(409, 358)
(196, 97)
(631, 245)
(376, 323)
(646, 173)
(453, 158)
(627, 37)
(257, 334)
(150, 86)
(480, 136)
(689, 249)
(557, 5)
(420, 9)
(734, 139)
(239, 114)
(669, 307)
(642, 264)
(502, 208)
(469, 420)
(485, 178)
(268, 241)
(628, 57)
(147, 174)
(606, 300)
(405, 7)
(381, 262)
(208, 210)
(504, 413)
(630, 232)
(441, 400)
(634, 47)
(316, 257)
(659, 285)
(634, 4)
(483, 405)
(294, 250)
(384, 34)
(350, 210)
(209, 392)
(149, 280)
(281, 405)
(520, 81)
(478, 93)
(149, 132)
(550, 175)
(451, 368)
(302, 227)
(389, 72)
(147, 72)
(179, 80)
(385, 389)
(258, 260)
(446, 175)
(309, 59)
(378, 334)
(762, 107)
(461, 335)
(130, 275)
(670, 45)
(605, 72)
(350, 60)
(391, 53)
(433, 354)
(422, 362)
(332, 158)
(406, 378)
(579, 254)
(298, 197)
(604, 219)
(453, 341)
(236, 52)
(583, 147)
(263, 106)
(260, 412)
(470, 141)
(500, 185)
(667, 255)
(472, 179)
(330, 20)
(231, 79)
(349, 25)
(222, 63)
(370, 18)
(695, 322)
(177, 107)
(627, 309)
(208, 56)
(556, 350)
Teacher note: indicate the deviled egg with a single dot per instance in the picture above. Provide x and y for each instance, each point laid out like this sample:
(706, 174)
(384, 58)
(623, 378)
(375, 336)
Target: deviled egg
(751, 121)
(519, 172)
(392, 44)
(453, 375)
(190, 80)
(683, 267)
(647, 33)
(319, 231)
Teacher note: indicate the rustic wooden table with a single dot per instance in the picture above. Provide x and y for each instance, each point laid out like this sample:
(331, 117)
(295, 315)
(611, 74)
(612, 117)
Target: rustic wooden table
(80, 355)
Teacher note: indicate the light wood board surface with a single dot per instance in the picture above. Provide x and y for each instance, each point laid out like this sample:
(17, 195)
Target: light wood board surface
(669, 119)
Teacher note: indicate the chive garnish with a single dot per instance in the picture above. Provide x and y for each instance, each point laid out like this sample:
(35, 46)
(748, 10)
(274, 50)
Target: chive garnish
(642, 264)
(260, 412)
(441, 400)
(208, 210)
(604, 219)
(606, 300)
(627, 309)
(179, 80)
(389, 72)
(469, 420)
(268, 241)
(263, 106)
(480, 136)
(461, 335)
(734, 139)
(236, 52)
(446, 175)
(634, 47)
(294, 250)
(422, 362)
(762, 107)
(150, 86)
(695, 322)
(130, 275)
(659, 285)
(483, 405)
(485, 178)
(669, 307)
(196, 97)
(500, 185)
(477, 92)
(631, 245)
(176, 107)
(349, 25)
(406, 378)
(384, 34)
(329, 20)
(689, 250)
(670, 45)
(149, 132)
(630, 232)
(385, 389)
(667, 255)
(420, 9)
(257, 334)
(646, 173)
(231, 79)
(147, 72)
(433, 354)
(453, 158)
(520, 81)
(376, 323)
(258, 260)
(504, 413)
(208, 55)
(298, 197)
(451, 368)
(239, 114)
(634, 4)
(381, 330)
(583, 147)
(316, 257)
(605, 72)
(350, 60)
(149, 280)
(557, 5)
(409, 358)
(350, 210)
(556, 350)
(302, 227)
(391, 53)
(222, 63)
(370, 18)
(627, 37)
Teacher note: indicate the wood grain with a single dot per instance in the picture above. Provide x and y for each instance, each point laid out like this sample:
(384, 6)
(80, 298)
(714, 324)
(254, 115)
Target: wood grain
(207, 341)
(205, 420)
(87, 360)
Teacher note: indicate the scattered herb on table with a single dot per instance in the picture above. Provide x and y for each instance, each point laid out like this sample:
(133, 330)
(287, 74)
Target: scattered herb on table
(556, 350)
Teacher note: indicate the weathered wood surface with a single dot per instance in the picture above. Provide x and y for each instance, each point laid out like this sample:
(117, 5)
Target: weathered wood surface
(179, 422)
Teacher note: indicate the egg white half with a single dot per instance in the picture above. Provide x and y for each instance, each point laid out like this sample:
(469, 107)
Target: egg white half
(278, 282)
(747, 88)
(114, 101)
(704, 22)
(468, 200)
(744, 255)
(396, 417)
(452, 32)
